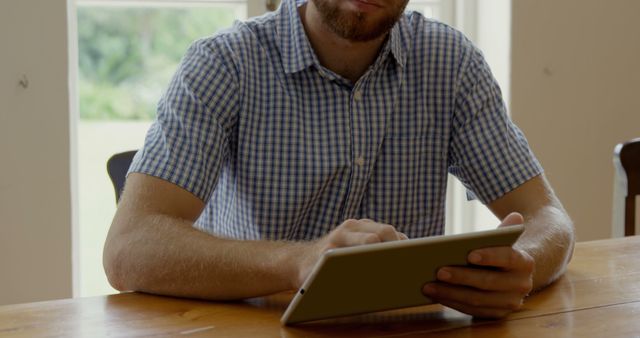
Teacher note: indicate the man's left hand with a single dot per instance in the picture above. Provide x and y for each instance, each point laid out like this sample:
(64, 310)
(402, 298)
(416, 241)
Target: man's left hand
(498, 286)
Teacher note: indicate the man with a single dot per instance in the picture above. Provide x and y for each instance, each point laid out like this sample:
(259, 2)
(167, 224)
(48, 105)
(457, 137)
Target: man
(329, 123)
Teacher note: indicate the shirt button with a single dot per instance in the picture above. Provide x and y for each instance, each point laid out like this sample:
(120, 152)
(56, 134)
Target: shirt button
(360, 161)
(357, 95)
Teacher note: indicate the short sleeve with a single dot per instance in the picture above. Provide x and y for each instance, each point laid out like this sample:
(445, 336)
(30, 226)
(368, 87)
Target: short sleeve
(488, 153)
(188, 142)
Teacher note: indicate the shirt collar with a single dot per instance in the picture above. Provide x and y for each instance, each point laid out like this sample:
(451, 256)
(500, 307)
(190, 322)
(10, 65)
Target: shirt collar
(296, 50)
(297, 53)
(400, 40)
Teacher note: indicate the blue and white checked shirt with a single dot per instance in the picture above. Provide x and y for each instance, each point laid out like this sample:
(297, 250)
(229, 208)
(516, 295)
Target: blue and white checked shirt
(281, 148)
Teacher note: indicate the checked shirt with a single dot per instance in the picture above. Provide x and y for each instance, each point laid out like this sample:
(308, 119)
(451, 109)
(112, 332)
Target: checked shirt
(281, 148)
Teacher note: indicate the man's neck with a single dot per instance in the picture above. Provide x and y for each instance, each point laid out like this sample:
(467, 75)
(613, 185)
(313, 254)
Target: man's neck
(349, 59)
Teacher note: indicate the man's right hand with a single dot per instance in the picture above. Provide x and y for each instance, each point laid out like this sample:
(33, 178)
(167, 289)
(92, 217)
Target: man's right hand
(153, 247)
(350, 233)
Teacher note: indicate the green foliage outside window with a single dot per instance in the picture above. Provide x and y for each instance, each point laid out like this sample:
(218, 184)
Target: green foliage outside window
(127, 55)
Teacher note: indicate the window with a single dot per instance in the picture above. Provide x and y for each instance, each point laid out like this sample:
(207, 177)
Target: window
(127, 52)
(438, 9)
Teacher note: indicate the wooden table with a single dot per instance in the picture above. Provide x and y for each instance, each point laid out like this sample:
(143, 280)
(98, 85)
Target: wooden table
(598, 297)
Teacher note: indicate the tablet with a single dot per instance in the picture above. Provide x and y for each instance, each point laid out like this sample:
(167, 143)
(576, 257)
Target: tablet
(384, 276)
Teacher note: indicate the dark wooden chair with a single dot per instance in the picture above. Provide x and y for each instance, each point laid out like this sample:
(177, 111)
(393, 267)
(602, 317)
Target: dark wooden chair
(626, 159)
(117, 167)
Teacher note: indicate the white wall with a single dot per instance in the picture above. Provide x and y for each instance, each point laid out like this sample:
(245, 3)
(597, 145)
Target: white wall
(35, 207)
(575, 88)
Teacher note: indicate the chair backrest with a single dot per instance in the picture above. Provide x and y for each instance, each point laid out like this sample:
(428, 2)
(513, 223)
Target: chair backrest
(117, 167)
(626, 159)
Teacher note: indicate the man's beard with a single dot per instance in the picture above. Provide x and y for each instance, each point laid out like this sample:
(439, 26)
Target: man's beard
(356, 26)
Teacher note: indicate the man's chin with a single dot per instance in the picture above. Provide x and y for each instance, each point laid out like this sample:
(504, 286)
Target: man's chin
(364, 34)
(350, 22)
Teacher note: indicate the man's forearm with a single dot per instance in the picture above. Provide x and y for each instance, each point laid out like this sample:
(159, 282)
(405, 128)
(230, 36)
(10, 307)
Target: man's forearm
(549, 239)
(168, 256)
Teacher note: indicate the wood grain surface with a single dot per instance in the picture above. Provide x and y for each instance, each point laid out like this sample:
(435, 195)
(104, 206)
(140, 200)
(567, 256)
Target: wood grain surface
(598, 296)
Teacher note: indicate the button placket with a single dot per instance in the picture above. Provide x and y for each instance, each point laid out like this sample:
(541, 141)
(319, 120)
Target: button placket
(359, 130)
(360, 147)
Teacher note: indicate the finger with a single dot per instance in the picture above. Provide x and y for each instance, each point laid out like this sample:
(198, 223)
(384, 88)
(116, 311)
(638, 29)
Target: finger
(513, 218)
(385, 232)
(473, 298)
(503, 257)
(350, 238)
(484, 279)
